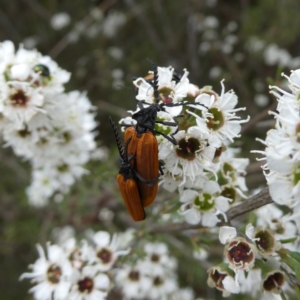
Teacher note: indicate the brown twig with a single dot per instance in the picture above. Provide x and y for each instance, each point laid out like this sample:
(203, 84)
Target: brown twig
(113, 109)
(262, 115)
(139, 12)
(38, 9)
(257, 201)
(86, 21)
(255, 167)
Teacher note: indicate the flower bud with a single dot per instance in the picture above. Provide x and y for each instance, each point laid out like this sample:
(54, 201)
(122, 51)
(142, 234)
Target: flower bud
(273, 282)
(220, 277)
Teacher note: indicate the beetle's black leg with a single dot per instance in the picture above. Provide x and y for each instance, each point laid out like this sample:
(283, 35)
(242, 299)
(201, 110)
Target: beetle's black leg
(167, 123)
(170, 139)
(160, 167)
(150, 183)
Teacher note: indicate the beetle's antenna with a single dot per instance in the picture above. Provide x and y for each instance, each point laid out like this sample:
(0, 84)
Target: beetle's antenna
(155, 80)
(125, 157)
(118, 140)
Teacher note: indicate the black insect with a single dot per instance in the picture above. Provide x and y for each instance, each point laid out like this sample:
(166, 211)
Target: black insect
(42, 69)
(146, 117)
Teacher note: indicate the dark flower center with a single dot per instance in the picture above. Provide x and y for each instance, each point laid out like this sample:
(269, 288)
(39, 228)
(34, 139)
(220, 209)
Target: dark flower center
(230, 193)
(85, 285)
(217, 278)
(134, 275)
(54, 273)
(105, 255)
(279, 228)
(23, 133)
(205, 203)
(63, 168)
(164, 95)
(19, 98)
(158, 281)
(266, 241)
(187, 148)
(240, 252)
(217, 121)
(218, 152)
(298, 132)
(155, 258)
(297, 175)
(274, 281)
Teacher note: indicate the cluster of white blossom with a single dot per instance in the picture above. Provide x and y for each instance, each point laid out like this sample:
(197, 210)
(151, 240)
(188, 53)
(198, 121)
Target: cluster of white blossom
(152, 277)
(43, 124)
(75, 272)
(86, 271)
(252, 266)
(282, 153)
(201, 166)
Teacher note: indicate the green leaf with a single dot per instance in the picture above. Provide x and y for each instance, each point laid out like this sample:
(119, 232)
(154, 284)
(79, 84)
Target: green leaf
(283, 297)
(297, 289)
(174, 208)
(295, 256)
(293, 264)
(286, 241)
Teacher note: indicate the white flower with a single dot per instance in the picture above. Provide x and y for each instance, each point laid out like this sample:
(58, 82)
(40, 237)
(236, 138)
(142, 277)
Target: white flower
(161, 287)
(190, 157)
(282, 152)
(133, 282)
(20, 72)
(106, 250)
(221, 279)
(220, 118)
(264, 240)
(204, 205)
(230, 285)
(226, 234)
(200, 254)
(60, 20)
(113, 21)
(250, 282)
(283, 189)
(157, 259)
(7, 54)
(19, 102)
(183, 294)
(169, 90)
(239, 254)
(88, 284)
(51, 275)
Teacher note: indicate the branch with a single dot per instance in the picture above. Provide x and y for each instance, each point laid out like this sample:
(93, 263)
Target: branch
(147, 24)
(86, 21)
(257, 201)
(260, 116)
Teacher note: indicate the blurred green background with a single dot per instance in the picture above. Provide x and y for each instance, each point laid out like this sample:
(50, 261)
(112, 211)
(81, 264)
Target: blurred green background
(104, 45)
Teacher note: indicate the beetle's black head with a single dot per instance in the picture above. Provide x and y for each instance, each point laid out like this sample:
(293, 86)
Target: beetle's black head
(146, 118)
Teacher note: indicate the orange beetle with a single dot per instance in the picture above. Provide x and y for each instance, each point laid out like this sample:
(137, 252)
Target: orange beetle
(144, 145)
(127, 180)
(146, 164)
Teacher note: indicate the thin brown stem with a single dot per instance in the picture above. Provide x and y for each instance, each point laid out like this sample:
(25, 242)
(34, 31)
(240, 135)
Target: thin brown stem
(112, 109)
(258, 117)
(142, 17)
(86, 21)
(257, 201)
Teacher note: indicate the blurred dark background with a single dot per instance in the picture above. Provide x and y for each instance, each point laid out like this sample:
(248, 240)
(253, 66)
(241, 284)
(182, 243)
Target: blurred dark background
(106, 43)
